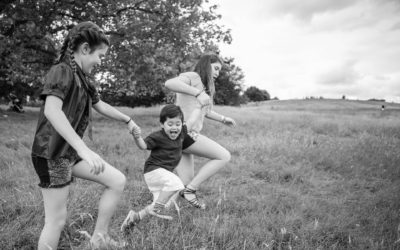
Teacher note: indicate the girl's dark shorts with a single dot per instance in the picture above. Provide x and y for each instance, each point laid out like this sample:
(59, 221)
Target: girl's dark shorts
(54, 173)
(189, 139)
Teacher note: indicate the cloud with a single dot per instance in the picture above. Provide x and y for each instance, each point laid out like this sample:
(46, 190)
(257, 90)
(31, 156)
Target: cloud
(344, 74)
(324, 48)
(396, 26)
(361, 15)
(305, 10)
(381, 77)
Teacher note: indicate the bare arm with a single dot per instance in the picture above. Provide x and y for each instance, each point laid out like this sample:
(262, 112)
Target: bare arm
(55, 115)
(140, 143)
(178, 86)
(136, 132)
(111, 112)
(212, 115)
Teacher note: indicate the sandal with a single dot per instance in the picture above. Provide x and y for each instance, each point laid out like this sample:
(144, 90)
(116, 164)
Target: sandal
(194, 202)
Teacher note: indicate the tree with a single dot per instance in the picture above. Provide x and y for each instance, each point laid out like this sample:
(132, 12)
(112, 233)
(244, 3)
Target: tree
(256, 95)
(229, 84)
(151, 41)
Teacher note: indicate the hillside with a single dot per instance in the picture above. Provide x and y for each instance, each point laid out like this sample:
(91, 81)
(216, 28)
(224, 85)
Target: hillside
(304, 174)
(325, 104)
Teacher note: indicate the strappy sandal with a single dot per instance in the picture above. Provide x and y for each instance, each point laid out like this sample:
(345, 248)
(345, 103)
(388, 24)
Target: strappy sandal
(194, 202)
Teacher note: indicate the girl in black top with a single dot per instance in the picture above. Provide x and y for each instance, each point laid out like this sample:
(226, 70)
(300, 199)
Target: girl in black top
(58, 151)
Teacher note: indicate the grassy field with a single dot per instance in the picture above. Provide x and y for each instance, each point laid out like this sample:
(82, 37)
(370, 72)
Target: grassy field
(304, 174)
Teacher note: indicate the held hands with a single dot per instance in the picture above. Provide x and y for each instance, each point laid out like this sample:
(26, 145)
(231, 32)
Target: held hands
(134, 129)
(131, 124)
(136, 132)
(96, 163)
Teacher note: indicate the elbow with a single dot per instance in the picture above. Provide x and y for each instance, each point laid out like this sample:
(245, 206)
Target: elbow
(170, 84)
(101, 107)
(167, 84)
(208, 114)
(47, 111)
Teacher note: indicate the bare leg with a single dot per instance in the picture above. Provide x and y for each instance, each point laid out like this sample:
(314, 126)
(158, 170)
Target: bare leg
(159, 203)
(185, 168)
(114, 181)
(55, 208)
(164, 196)
(205, 147)
(160, 199)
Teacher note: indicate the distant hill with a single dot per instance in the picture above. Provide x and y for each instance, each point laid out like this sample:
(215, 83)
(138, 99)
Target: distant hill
(325, 104)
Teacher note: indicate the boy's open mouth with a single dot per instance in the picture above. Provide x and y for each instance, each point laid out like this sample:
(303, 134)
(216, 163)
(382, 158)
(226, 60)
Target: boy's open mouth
(173, 134)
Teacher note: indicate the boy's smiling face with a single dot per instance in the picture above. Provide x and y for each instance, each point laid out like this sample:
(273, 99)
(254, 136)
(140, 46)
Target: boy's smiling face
(172, 127)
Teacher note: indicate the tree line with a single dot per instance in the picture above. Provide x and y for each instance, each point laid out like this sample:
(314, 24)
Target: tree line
(151, 41)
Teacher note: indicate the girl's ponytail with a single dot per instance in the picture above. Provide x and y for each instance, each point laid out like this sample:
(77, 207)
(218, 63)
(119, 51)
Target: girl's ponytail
(63, 51)
(70, 52)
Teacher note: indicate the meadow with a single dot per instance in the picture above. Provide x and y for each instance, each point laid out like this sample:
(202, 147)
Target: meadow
(304, 174)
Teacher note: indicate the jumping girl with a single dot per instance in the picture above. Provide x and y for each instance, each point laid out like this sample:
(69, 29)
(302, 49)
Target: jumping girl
(196, 89)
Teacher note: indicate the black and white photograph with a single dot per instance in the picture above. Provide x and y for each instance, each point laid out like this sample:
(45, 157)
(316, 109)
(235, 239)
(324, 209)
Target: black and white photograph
(199, 124)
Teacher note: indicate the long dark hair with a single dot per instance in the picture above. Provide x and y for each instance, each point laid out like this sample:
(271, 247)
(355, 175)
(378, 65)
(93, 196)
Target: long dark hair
(203, 68)
(83, 32)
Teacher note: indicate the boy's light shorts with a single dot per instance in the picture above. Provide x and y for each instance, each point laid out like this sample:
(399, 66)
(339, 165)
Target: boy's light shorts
(160, 180)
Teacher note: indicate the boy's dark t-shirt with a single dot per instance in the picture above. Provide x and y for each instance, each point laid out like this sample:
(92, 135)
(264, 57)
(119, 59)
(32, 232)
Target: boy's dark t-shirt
(165, 153)
(77, 104)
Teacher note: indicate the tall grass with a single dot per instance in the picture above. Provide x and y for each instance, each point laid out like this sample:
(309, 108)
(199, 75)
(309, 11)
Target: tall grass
(304, 175)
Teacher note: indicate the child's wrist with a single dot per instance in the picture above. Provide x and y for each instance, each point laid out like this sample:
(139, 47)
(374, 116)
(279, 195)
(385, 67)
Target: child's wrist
(135, 136)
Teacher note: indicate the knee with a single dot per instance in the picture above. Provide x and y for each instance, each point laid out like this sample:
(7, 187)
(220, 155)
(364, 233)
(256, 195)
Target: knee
(119, 182)
(57, 222)
(225, 156)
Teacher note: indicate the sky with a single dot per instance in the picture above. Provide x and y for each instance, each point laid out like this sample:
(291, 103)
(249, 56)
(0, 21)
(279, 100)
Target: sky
(330, 48)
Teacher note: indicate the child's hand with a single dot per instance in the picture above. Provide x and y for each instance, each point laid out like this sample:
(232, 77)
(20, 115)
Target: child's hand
(136, 132)
(131, 124)
(94, 160)
(229, 122)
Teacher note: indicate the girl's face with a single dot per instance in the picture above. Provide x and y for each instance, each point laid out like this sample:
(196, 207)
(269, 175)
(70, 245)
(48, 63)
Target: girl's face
(172, 127)
(91, 59)
(215, 69)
